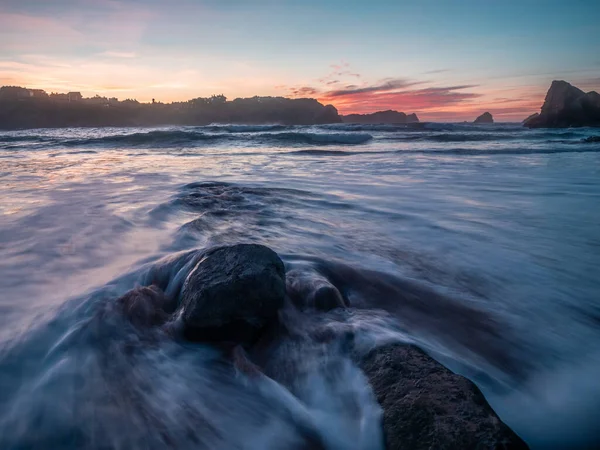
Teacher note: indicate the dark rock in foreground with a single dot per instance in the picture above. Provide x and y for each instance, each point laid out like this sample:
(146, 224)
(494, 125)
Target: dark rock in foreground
(389, 116)
(567, 106)
(486, 117)
(232, 293)
(426, 406)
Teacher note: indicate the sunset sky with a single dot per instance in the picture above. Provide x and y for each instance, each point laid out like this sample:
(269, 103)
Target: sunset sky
(444, 60)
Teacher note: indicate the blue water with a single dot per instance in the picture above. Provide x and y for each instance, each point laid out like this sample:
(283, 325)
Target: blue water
(500, 222)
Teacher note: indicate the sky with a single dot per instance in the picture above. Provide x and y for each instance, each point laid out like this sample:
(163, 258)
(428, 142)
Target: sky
(445, 60)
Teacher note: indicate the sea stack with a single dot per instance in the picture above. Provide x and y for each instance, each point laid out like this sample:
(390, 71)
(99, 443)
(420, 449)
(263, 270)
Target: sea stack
(486, 117)
(567, 106)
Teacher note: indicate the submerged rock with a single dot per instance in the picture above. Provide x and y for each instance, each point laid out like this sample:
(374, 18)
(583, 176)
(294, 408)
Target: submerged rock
(232, 293)
(145, 306)
(426, 406)
(311, 290)
(567, 106)
(486, 117)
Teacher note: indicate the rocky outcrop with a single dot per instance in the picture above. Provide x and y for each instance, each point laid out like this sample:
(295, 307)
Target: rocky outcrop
(567, 106)
(412, 118)
(389, 116)
(486, 117)
(232, 298)
(533, 116)
(426, 406)
(232, 293)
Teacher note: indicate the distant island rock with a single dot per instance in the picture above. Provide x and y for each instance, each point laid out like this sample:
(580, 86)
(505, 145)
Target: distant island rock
(389, 116)
(33, 108)
(567, 106)
(486, 117)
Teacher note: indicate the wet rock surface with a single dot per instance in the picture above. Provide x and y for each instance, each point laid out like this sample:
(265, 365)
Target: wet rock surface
(145, 306)
(232, 293)
(309, 290)
(427, 406)
(237, 295)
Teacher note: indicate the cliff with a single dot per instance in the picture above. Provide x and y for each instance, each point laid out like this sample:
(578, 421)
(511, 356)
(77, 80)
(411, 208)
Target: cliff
(567, 106)
(52, 112)
(388, 116)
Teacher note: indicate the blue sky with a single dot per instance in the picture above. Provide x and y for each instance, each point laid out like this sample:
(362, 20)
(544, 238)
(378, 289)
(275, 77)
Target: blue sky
(441, 59)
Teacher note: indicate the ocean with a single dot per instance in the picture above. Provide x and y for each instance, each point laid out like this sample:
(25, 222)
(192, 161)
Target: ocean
(496, 219)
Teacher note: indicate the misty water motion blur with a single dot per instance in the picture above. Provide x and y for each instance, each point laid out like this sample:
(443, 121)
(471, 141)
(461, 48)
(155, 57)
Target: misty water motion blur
(493, 217)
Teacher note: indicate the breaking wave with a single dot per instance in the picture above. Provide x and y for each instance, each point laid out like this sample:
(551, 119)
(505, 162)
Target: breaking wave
(161, 138)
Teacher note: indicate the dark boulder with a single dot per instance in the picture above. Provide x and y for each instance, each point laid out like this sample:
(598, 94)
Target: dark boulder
(232, 293)
(486, 117)
(567, 106)
(427, 406)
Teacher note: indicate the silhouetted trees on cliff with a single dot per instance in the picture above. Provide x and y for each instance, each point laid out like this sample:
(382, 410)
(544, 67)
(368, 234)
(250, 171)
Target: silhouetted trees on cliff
(24, 108)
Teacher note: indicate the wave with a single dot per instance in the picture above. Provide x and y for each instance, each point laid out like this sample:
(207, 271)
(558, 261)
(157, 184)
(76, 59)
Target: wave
(317, 152)
(245, 128)
(591, 139)
(8, 139)
(320, 138)
(382, 127)
(160, 138)
(502, 151)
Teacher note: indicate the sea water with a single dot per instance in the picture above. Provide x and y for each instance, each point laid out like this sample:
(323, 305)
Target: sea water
(501, 224)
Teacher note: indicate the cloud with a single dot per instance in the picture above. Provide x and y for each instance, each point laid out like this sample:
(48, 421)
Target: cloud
(304, 91)
(117, 54)
(388, 85)
(431, 72)
(401, 95)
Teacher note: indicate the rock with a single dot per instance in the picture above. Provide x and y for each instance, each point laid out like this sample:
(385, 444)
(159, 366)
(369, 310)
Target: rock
(145, 306)
(532, 116)
(426, 406)
(591, 139)
(232, 293)
(486, 117)
(567, 106)
(388, 116)
(328, 114)
(311, 290)
(412, 118)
